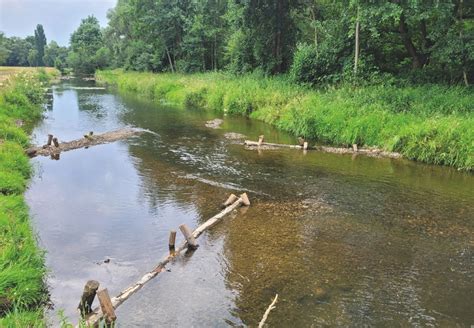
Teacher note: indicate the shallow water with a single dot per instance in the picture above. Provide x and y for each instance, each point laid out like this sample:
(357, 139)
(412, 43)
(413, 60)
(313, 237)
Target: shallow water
(343, 240)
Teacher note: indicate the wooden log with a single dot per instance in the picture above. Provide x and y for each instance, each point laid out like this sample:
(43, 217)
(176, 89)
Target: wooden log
(272, 145)
(106, 305)
(50, 139)
(261, 139)
(55, 142)
(87, 298)
(86, 142)
(232, 198)
(126, 293)
(188, 235)
(172, 240)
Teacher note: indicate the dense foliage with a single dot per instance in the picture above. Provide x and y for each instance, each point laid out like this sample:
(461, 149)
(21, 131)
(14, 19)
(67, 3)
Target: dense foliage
(315, 40)
(32, 51)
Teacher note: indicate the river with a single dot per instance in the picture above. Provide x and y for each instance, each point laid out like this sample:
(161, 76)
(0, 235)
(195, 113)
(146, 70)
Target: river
(343, 240)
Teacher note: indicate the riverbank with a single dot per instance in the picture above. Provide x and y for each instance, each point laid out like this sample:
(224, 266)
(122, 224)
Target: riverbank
(22, 269)
(431, 124)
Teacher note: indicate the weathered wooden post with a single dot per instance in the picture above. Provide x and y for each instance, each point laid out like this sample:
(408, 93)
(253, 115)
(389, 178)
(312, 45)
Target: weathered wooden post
(245, 199)
(305, 145)
(56, 143)
(172, 241)
(355, 148)
(192, 244)
(50, 139)
(106, 305)
(261, 139)
(88, 295)
(232, 198)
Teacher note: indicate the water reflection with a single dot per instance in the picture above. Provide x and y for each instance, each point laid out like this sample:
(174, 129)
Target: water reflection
(344, 241)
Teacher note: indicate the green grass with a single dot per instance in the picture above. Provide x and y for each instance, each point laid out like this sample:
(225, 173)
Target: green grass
(431, 123)
(22, 289)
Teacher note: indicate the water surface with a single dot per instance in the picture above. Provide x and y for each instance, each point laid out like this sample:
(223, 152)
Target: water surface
(343, 240)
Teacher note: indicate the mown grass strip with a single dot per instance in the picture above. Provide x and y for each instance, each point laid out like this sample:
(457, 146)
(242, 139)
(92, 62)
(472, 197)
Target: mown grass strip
(430, 123)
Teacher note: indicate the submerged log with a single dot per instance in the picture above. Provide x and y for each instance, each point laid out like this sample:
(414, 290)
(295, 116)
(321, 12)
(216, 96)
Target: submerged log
(90, 140)
(97, 314)
(371, 152)
(270, 145)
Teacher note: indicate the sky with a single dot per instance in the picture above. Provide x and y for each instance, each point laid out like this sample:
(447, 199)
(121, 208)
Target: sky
(59, 17)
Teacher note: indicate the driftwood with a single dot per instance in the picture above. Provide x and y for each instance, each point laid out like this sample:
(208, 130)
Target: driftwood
(87, 141)
(372, 152)
(97, 314)
(267, 312)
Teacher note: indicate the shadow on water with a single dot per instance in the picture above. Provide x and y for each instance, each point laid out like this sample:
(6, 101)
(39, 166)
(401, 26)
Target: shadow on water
(343, 240)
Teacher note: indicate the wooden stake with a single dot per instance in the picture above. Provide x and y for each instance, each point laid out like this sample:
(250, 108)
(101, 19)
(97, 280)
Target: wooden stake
(87, 298)
(172, 240)
(245, 199)
(50, 139)
(106, 305)
(354, 147)
(187, 233)
(305, 145)
(232, 198)
(261, 139)
(56, 143)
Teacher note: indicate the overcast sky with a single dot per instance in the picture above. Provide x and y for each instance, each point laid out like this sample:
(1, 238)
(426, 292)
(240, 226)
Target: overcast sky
(58, 17)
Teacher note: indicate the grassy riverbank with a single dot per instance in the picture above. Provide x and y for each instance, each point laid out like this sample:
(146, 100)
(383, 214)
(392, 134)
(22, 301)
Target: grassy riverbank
(22, 269)
(431, 123)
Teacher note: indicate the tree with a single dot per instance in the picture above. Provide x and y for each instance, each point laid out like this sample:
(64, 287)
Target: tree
(86, 53)
(40, 44)
(54, 55)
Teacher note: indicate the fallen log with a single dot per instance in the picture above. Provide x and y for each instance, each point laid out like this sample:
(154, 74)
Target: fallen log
(87, 141)
(372, 152)
(97, 314)
(264, 145)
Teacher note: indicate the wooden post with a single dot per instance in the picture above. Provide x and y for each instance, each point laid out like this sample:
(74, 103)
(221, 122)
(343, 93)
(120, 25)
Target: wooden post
(301, 141)
(305, 145)
(245, 199)
(56, 143)
(88, 295)
(50, 139)
(232, 198)
(187, 233)
(354, 147)
(172, 240)
(106, 305)
(261, 139)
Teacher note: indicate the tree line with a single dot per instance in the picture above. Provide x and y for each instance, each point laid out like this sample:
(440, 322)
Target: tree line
(311, 41)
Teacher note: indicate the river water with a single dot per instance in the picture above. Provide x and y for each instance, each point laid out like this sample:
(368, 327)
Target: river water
(343, 240)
